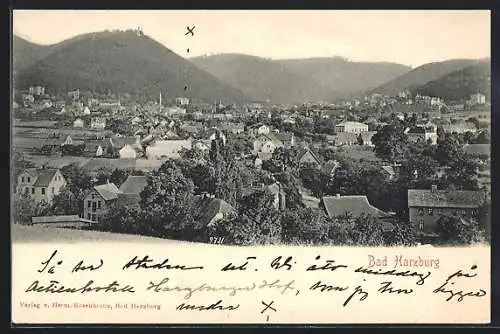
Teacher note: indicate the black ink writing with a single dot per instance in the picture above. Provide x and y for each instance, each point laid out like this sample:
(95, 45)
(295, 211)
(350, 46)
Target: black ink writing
(388, 288)
(243, 266)
(211, 307)
(135, 263)
(55, 287)
(357, 290)
(81, 267)
(276, 263)
(394, 272)
(46, 264)
(324, 287)
(329, 265)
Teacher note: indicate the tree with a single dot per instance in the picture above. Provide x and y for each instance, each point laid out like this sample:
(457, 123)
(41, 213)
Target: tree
(66, 203)
(167, 202)
(24, 208)
(314, 179)
(403, 234)
(304, 226)
(390, 142)
(122, 219)
(78, 179)
(459, 231)
(257, 221)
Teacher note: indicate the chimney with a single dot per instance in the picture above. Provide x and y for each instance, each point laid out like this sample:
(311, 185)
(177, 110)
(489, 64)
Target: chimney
(434, 188)
(337, 196)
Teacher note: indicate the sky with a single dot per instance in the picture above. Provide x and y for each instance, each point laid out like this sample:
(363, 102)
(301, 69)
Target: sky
(411, 37)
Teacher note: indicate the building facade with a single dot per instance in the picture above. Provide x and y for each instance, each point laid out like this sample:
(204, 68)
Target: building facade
(427, 206)
(40, 185)
(99, 200)
(351, 127)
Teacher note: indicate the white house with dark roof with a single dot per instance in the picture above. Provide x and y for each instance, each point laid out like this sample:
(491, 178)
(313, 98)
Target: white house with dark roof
(426, 206)
(40, 184)
(98, 201)
(306, 156)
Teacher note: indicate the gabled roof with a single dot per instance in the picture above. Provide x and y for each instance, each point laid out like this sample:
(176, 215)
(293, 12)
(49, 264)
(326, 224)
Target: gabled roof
(134, 184)
(305, 151)
(355, 205)
(46, 175)
(128, 199)
(444, 198)
(208, 208)
(108, 191)
(389, 169)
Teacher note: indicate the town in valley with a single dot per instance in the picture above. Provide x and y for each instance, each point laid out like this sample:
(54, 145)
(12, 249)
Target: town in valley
(395, 164)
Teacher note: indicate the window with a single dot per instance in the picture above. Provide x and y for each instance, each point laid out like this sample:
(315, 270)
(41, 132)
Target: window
(52, 189)
(421, 225)
(439, 211)
(462, 212)
(94, 206)
(33, 191)
(454, 211)
(420, 212)
(26, 190)
(88, 216)
(98, 204)
(22, 178)
(43, 191)
(93, 218)
(89, 204)
(92, 196)
(429, 211)
(29, 179)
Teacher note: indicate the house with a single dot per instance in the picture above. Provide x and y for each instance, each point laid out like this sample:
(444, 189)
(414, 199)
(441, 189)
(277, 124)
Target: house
(182, 101)
(72, 146)
(167, 148)
(390, 171)
(427, 206)
(211, 210)
(131, 151)
(98, 123)
(366, 137)
(477, 98)
(99, 200)
(266, 143)
(460, 127)
(212, 134)
(234, 128)
(131, 189)
(37, 90)
(354, 205)
(306, 156)
(286, 138)
(351, 127)
(50, 146)
(86, 110)
(78, 123)
(74, 95)
(425, 133)
(41, 184)
(191, 129)
(259, 129)
(175, 111)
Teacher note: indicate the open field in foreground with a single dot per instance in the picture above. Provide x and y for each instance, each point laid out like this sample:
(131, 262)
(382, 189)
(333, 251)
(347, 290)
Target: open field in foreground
(30, 234)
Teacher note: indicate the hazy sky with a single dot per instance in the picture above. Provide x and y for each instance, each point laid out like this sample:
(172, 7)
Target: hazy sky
(407, 37)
